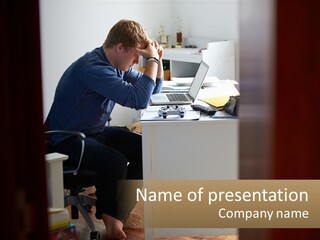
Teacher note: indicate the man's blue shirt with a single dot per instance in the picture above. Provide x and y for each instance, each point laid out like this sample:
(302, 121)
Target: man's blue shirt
(88, 90)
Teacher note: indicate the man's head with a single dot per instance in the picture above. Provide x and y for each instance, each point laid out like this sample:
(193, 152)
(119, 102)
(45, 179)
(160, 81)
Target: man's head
(130, 33)
(122, 41)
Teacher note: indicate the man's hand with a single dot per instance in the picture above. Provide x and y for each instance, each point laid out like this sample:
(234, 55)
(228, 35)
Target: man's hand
(151, 50)
(160, 54)
(160, 51)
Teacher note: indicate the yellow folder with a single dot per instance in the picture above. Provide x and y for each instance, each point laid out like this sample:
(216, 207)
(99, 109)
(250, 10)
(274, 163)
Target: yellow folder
(217, 101)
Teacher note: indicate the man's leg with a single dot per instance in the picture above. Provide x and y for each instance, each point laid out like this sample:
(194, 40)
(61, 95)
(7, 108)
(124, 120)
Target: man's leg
(130, 145)
(111, 167)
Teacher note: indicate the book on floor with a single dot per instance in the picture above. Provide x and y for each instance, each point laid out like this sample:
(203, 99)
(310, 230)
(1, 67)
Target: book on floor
(58, 218)
(66, 233)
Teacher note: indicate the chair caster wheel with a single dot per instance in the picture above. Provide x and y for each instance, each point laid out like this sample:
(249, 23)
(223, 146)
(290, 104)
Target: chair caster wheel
(95, 235)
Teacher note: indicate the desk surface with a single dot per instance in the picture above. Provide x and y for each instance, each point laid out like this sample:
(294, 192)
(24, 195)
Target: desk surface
(220, 116)
(150, 114)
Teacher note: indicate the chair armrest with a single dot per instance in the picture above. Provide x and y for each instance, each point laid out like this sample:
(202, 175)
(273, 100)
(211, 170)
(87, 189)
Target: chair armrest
(78, 134)
(81, 137)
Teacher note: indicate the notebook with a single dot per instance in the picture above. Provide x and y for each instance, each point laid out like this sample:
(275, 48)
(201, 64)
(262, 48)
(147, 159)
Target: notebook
(182, 98)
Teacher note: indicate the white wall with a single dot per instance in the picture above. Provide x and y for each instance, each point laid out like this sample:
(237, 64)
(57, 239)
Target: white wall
(217, 19)
(69, 28)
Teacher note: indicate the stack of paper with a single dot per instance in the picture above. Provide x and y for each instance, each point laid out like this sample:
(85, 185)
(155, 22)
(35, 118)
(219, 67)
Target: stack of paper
(218, 95)
(217, 102)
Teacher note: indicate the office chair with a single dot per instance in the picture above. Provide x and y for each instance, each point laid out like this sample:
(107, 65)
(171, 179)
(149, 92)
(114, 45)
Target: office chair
(75, 179)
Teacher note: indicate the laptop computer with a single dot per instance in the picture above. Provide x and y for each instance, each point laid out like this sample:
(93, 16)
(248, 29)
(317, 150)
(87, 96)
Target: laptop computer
(182, 98)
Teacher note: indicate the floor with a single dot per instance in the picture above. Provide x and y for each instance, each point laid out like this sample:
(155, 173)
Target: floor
(133, 233)
(83, 231)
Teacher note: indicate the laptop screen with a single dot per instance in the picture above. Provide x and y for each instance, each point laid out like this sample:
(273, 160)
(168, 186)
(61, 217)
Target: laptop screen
(198, 79)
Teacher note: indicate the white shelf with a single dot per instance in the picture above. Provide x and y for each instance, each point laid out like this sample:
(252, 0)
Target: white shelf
(183, 54)
(220, 56)
(55, 179)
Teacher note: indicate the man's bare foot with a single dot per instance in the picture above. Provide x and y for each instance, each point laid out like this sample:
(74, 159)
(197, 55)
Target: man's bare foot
(133, 221)
(114, 227)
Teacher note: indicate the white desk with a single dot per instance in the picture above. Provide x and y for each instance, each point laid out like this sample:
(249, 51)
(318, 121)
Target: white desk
(55, 179)
(201, 150)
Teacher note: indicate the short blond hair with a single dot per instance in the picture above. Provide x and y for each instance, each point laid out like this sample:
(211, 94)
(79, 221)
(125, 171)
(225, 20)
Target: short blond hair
(128, 32)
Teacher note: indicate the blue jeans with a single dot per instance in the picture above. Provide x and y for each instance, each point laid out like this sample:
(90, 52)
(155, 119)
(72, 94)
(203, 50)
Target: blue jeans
(108, 153)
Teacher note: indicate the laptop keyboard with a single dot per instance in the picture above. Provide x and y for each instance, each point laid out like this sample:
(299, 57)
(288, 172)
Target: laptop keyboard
(177, 97)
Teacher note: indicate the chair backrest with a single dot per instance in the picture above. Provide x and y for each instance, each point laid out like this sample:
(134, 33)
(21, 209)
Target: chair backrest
(80, 135)
(74, 177)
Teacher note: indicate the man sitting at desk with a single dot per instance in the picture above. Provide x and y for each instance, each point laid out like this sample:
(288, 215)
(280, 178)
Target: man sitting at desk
(84, 99)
